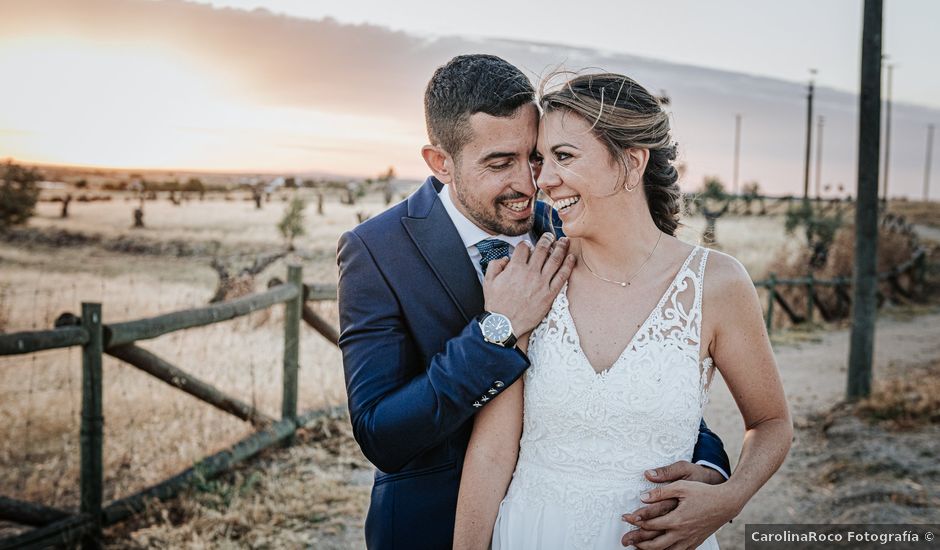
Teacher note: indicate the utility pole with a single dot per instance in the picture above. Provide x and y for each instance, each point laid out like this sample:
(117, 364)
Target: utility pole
(809, 134)
(927, 164)
(864, 276)
(819, 142)
(884, 184)
(737, 152)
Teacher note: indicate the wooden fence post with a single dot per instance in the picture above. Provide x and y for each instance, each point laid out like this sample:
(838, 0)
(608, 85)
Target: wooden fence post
(809, 299)
(921, 271)
(91, 436)
(771, 298)
(292, 311)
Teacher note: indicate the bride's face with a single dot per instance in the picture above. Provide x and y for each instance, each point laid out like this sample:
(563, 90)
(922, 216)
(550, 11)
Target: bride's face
(579, 175)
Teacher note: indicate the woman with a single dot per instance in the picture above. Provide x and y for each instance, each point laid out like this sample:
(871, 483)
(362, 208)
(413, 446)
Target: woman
(620, 367)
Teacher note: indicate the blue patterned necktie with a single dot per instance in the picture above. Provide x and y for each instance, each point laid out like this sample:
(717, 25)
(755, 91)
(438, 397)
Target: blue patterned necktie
(492, 249)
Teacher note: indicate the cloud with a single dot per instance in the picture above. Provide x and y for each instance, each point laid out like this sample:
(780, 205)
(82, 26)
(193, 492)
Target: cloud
(270, 59)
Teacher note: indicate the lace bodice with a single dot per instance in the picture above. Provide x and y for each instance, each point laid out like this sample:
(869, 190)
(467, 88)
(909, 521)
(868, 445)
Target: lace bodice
(587, 436)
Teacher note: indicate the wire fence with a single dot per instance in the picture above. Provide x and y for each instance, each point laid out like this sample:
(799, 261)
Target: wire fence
(157, 414)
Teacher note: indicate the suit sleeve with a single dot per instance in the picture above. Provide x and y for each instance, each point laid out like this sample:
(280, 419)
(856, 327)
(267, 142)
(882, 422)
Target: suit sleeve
(710, 451)
(400, 409)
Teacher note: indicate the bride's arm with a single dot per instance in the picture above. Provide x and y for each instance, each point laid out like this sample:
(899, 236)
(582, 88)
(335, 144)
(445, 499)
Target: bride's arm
(742, 353)
(488, 466)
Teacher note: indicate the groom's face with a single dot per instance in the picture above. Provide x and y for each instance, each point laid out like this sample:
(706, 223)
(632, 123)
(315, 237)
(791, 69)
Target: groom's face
(494, 184)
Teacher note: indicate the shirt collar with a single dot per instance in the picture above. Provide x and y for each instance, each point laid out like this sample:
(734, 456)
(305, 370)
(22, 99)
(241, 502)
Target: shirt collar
(469, 232)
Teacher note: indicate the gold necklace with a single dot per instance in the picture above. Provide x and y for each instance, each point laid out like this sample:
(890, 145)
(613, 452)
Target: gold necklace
(628, 281)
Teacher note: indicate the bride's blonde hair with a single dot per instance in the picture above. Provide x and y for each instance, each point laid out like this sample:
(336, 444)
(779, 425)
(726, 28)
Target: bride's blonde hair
(622, 115)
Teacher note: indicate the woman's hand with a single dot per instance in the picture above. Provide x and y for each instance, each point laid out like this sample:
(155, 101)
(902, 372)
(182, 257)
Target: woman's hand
(702, 509)
(522, 287)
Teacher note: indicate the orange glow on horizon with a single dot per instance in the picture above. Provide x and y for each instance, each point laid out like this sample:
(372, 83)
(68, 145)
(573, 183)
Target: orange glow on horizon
(77, 102)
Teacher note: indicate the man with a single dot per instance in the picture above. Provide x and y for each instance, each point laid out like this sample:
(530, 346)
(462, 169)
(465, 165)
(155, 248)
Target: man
(423, 348)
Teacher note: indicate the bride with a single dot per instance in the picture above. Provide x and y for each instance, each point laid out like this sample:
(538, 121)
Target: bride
(622, 364)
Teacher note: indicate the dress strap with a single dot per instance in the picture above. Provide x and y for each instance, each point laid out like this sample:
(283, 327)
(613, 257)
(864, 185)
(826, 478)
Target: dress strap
(700, 279)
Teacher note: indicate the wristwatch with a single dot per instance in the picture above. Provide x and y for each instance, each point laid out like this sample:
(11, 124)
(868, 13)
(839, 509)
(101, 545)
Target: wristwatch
(497, 329)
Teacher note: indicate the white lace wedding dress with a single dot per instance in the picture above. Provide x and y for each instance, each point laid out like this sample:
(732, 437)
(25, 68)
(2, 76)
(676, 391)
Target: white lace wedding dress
(588, 437)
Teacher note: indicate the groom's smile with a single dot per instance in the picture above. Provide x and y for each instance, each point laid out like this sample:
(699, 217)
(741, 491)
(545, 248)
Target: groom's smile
(493, 183)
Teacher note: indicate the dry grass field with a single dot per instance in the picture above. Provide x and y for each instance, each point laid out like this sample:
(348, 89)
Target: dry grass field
(151, 430)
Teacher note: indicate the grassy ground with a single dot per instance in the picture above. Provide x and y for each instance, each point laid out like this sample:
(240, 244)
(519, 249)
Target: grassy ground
(919, 212)
(311, 495)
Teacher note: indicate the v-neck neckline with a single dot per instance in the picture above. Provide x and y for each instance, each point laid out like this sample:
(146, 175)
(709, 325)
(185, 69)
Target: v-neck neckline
(643, 328)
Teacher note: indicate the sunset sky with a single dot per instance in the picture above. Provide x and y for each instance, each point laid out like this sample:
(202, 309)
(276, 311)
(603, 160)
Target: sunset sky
(222, 85)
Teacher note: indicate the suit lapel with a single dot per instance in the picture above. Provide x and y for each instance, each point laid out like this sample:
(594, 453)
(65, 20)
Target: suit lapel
(546, 221)
(437, 240)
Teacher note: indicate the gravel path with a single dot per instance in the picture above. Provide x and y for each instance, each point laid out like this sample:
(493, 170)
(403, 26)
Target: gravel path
(814, 377)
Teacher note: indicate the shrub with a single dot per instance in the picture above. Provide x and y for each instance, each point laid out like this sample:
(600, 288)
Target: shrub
(895, 246)
(712, 188)
(194, 185)
(18, 194)
(820, 228)
(291, 225)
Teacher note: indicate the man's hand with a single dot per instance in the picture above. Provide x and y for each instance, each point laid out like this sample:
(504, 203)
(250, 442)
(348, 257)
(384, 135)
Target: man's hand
(523, 287)
(685, 470)
(677, 471)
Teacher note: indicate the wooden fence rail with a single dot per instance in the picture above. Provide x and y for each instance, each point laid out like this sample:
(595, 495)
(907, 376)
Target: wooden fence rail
(915, 268)
(39, 340)
(60, 527)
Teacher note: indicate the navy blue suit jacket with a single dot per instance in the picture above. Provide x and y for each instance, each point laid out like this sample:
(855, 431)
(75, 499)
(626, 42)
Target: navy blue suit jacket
(416, 364)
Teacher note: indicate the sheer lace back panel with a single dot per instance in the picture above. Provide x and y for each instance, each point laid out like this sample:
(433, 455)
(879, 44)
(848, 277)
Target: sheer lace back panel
(588, 436)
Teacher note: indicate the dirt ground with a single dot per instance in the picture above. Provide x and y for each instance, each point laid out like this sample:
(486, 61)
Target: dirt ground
(834, 470)
(841, 468)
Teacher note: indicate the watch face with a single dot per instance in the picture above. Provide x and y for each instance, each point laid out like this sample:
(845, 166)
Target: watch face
(497, 328)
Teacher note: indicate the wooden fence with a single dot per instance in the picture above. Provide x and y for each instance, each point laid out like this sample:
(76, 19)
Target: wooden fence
(764, 205)
(914, 268)
(54, 526)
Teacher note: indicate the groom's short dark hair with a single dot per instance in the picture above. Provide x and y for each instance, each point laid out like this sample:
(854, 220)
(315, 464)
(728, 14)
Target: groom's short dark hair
(470, 84)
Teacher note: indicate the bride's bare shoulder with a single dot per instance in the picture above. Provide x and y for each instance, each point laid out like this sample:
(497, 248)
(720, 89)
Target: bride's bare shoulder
(729, 299)
(727, 284)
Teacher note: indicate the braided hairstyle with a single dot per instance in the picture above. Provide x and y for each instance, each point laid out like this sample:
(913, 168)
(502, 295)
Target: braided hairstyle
(624, 114)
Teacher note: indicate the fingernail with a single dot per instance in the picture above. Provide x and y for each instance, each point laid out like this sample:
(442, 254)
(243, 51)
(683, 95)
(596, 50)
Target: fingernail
(645, 496)
(625, 517)
(651, 473)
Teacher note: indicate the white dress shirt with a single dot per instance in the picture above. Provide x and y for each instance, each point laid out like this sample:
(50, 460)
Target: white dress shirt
(470, 233)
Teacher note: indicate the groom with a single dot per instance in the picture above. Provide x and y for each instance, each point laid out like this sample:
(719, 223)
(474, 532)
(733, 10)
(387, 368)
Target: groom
(423, 348)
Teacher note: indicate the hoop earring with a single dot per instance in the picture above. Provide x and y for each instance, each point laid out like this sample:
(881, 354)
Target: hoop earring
(632, 189)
